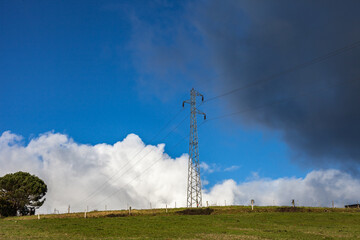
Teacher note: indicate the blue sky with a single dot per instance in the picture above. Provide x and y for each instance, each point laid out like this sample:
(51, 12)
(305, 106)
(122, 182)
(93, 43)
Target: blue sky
(100, 70)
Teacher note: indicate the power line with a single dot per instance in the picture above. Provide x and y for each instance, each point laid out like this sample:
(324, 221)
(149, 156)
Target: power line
(147, 169)
(140, 174)
(157, 161)
(292, 69)
(278, 101)
(102, 186)
(126, 171)
(156, 135)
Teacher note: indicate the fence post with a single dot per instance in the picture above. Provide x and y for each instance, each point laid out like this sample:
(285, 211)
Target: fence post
(85, 214)
(38, 216)
(69, 208)
(130, 210)
(293, 203)
(166, 208)
(252, 204)
(207, 204)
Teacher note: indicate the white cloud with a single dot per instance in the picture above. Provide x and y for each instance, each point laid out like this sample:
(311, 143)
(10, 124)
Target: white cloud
(73, 171)
(232, 168)
(209, 168)
(205, 167)
(317, 188)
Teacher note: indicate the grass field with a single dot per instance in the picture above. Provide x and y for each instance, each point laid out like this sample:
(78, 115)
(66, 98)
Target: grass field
(215, 223)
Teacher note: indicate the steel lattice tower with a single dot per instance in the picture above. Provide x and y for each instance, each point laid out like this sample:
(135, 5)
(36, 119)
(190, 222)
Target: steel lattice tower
(194, 197)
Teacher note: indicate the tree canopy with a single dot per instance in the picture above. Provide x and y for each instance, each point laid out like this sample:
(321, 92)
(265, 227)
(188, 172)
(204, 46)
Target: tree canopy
(21, 193)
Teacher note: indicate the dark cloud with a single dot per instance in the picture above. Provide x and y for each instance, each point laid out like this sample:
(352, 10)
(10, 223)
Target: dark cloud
(240, 42)
(250, 40)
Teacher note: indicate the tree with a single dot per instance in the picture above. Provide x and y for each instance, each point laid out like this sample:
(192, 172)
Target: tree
(21, 193)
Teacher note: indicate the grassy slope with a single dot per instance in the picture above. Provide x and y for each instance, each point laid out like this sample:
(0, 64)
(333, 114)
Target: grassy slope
(223, 223)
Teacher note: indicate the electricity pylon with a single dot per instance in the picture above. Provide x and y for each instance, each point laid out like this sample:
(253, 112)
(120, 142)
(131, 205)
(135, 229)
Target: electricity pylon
(194, 181)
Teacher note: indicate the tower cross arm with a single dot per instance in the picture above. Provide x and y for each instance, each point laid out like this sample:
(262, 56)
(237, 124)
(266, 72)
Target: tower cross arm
(199, 112)
(200, 95)
(186, 101)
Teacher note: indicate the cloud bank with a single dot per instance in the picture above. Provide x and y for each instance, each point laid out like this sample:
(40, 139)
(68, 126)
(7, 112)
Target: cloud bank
(74, 171)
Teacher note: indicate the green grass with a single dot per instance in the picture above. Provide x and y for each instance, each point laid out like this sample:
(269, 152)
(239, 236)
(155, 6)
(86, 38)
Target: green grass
(223, 223)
